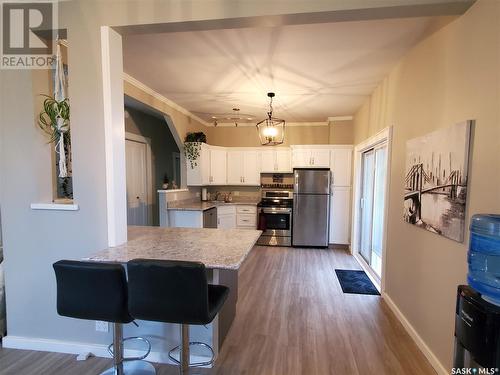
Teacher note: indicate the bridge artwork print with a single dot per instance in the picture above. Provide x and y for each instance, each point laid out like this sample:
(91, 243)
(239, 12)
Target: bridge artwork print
(436, 180)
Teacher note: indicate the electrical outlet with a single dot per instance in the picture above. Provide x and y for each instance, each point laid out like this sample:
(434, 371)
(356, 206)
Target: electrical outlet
(101, 326)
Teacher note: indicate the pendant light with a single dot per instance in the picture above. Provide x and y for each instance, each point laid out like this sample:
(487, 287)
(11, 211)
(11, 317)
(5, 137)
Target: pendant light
(271, 130)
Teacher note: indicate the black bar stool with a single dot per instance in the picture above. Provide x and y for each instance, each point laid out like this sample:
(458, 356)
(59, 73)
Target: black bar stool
(98, 291)
(174, 292)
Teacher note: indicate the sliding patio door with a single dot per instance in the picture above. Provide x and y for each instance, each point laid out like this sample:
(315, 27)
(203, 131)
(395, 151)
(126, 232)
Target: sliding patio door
(373, 189)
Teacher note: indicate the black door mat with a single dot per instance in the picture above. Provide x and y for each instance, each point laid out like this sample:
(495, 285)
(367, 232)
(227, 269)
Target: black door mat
(356, 282)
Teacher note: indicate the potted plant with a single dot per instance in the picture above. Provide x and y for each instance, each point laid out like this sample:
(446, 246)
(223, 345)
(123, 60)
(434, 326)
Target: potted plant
(54, 121)
(192, 146)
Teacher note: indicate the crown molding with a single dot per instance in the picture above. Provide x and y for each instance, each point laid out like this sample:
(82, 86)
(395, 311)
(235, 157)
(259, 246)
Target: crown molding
(340, 118)
(141, 86)
(287, 124)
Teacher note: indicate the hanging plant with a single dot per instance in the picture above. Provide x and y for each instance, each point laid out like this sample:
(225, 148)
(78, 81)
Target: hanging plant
(54, 121)
(54, 118)
(192, 147)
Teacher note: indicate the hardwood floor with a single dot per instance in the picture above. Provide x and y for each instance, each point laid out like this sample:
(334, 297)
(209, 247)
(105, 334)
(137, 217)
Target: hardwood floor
(292, 318)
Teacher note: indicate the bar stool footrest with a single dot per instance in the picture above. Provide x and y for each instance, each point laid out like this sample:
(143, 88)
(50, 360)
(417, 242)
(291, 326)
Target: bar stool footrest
(138, 338)
(194, 364)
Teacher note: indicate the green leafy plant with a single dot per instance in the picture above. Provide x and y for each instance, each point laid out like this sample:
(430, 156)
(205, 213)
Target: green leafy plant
(192, 147)
(54, 118)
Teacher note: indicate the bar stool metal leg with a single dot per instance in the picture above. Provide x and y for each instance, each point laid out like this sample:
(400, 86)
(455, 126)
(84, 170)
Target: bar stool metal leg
(118, 348)
(184, 348)
(127, 366)
(185, 357)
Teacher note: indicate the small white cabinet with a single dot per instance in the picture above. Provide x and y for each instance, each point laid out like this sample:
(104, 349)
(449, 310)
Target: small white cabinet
(304, 157)
(243, 168)
(340, 219)
(276, 160)
(341, 165)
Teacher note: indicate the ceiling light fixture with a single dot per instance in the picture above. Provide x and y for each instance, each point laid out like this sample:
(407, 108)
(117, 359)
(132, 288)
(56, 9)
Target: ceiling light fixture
(236, 118)
(271, 130)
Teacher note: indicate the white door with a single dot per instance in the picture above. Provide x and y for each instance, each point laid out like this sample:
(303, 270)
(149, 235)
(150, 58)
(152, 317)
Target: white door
(136, 154)
(268, 161)
(341, 166)
(320, 158)
(283, 160)
(340, 211)
(218, 167)
(251, 168)
(235, 168)
(373, 206)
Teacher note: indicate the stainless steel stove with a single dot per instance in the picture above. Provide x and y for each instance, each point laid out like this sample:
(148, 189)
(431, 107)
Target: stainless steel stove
(275, 210)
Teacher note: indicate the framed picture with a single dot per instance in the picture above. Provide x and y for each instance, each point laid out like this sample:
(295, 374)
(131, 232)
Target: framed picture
(436, 176)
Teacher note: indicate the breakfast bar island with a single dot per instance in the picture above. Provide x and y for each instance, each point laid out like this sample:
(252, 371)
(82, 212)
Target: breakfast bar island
(222, 251)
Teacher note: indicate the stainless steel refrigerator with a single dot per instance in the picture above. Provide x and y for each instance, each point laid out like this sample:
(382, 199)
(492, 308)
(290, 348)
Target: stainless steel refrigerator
(311, 207)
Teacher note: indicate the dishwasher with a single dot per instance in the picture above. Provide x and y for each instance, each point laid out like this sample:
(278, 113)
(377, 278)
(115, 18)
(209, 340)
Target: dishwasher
(210, 218)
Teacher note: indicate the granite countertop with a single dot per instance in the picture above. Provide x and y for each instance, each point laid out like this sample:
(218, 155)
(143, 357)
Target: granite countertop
(190, 205)
(215, 248)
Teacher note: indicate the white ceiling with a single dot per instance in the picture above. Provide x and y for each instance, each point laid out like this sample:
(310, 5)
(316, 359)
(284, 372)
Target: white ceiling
(316, 70)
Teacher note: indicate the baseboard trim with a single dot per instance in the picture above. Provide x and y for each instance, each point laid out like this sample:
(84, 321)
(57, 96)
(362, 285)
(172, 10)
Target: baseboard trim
(434, 361)
(71, 347)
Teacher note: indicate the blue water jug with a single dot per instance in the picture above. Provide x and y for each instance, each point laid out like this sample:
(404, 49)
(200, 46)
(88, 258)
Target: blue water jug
(484, 256)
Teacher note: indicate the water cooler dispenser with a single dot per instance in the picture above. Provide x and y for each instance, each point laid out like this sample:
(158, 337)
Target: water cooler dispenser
(477, 321)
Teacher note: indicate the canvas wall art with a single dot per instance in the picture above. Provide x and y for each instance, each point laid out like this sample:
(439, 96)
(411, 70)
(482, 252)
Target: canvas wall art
(436, 180)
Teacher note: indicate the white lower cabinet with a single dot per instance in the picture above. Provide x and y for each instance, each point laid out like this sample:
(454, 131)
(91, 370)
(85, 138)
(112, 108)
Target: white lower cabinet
(246, 217)
(226, 217)
(340, 215)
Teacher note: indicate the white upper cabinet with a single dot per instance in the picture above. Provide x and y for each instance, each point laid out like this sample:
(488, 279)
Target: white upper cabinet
(218, 171)
(320, 158)
(304, 157)
(198, 173)
(268, 161)
(243, 168)
(341, 165)
(251, 168)
(235, 167)
(301, 158)
(284, 160)
(276, 160)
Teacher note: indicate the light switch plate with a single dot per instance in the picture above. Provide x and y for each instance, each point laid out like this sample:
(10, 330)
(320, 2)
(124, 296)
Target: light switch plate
(101, 326)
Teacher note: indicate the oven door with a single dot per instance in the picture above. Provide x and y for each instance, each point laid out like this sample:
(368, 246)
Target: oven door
(278, 221)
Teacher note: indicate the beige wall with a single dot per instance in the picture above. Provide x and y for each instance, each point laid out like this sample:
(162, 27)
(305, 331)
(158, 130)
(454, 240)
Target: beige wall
(341, 132)
(450, 77)
(247, 136)
(182, 123)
